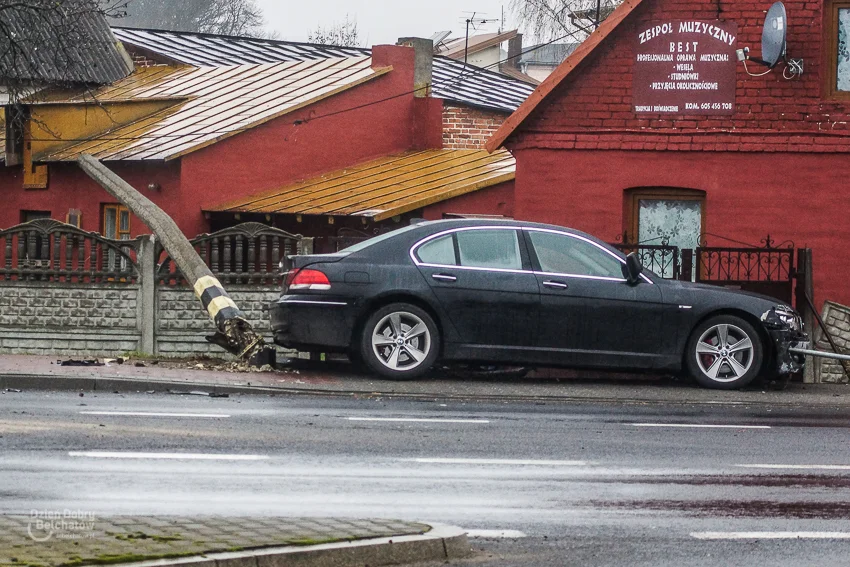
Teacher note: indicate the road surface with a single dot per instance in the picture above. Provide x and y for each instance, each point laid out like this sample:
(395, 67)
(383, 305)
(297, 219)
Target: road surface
(553, 484)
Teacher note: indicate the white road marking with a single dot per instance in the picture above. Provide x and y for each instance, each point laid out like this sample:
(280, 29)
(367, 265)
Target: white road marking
(701, 425)
(176, 456)
(153, 414)
(505, 534)
(418, 419)
(799, 467)
(521, 462)
(771, 535)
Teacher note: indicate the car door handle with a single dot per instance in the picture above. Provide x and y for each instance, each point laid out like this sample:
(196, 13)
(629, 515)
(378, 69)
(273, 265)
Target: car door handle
(557, 285)
(444, 277)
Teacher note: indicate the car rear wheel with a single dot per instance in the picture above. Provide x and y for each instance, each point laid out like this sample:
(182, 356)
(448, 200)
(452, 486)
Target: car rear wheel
(725, 352)
(400, 341)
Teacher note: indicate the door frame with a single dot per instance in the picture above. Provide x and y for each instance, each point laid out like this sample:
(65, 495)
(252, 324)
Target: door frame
(631, 207)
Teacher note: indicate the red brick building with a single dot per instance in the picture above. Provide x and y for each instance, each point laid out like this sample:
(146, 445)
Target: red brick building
(206, 125)
(778, 164)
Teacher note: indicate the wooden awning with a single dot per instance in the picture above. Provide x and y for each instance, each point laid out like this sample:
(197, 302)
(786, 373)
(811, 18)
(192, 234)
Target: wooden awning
(385, 187)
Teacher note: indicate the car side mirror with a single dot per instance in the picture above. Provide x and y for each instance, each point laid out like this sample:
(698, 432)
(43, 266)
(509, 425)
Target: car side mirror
(632, 269)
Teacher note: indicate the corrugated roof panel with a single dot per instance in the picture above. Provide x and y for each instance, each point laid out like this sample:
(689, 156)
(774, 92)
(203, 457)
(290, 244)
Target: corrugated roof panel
(50, 44)
(385, 187)
(452, 80)
(212, 103)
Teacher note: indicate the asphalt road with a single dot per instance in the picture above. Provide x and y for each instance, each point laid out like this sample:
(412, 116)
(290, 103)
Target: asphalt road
(556, 484)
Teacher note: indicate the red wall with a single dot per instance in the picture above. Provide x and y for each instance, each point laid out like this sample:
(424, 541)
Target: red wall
(592, 108)
(495, 200)
(304, 144)
(70, 188)
(779, 165)
(373, 119)
(799, 197)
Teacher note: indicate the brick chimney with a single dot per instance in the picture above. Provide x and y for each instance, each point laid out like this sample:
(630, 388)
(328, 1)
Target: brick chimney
(423, 58)
(514, 51)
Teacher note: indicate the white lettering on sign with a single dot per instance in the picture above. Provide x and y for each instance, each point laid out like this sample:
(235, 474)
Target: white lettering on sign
(706, 28)
(655, 31)
(685, 67)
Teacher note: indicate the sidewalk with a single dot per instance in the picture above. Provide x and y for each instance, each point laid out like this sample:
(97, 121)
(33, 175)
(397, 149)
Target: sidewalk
(19, 372)
(77, 538)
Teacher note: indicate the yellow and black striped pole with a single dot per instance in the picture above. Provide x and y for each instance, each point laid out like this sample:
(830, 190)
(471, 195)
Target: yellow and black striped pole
(216, 301)
(235, 333)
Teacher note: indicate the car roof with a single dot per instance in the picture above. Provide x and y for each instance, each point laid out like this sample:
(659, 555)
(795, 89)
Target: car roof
(460, 223)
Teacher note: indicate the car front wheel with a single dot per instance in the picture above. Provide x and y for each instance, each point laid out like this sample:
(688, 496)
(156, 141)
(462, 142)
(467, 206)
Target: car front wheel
(400, 341)
(724, 352)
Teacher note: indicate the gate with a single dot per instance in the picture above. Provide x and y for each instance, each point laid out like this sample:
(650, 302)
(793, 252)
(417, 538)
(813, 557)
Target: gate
(769, 271)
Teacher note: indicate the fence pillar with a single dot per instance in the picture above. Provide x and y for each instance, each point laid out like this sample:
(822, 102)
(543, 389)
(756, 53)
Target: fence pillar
(805, 288)
(146, 306)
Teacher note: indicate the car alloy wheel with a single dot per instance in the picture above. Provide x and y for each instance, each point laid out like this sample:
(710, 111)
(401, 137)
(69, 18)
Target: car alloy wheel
(725, 352)
(400, 341)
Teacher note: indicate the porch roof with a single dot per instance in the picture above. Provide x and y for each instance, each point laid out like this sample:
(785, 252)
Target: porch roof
(384, 187)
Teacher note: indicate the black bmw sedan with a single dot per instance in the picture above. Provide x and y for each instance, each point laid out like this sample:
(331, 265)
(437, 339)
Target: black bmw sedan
(497, 292)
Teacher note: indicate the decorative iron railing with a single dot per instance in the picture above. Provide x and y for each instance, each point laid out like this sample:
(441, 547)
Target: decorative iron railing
(660, 259)
(248, 253)
(745, 264)
(49, 250)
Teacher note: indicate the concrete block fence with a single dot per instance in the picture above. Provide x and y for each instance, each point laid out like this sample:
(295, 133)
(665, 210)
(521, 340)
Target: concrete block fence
(66, 292)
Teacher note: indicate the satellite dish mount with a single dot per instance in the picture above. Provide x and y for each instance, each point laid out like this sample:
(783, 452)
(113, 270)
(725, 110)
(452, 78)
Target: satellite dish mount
(774, 45)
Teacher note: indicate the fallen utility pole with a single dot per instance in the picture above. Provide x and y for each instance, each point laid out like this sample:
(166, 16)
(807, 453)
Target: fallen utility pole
(234, 332)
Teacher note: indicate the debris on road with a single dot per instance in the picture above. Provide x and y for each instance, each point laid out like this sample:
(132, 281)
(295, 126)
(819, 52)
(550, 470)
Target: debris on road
(199, 393)
(72, 362)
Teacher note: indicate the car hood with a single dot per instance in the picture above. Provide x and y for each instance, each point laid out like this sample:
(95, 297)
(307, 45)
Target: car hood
(737, 297)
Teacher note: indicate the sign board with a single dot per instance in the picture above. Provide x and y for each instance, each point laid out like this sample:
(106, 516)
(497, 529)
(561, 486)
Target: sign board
(685, 67)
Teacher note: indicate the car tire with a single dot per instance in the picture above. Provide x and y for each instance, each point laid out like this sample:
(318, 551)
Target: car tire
(400, 341)
(724, 352)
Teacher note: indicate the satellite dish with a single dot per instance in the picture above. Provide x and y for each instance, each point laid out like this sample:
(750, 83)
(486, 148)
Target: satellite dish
(773, 35)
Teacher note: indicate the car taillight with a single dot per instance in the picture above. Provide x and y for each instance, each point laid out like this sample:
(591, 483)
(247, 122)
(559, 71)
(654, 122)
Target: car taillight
(307, 279)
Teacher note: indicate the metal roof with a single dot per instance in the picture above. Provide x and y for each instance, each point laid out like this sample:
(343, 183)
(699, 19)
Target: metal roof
(451, 80)
(454, 48)
(551, 54)
(42, 41)
(385, 187)
(209, 104)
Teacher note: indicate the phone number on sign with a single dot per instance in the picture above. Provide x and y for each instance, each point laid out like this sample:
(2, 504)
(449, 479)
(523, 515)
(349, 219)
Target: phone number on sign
(708, 106)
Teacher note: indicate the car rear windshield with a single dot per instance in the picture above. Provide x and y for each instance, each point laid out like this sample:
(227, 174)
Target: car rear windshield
(376, 239)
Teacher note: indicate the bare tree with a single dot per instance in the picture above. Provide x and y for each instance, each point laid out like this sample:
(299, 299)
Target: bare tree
(572, 20)
(60, 43)
(229, 17)
(344, 33)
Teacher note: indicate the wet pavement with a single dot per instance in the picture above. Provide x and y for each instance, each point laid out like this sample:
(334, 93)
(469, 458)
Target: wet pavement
(589, 483)
(339, 379)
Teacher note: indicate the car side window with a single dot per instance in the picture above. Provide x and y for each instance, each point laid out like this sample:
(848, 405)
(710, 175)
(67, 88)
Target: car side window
(438, 251)
(562, 254)
(489, 248)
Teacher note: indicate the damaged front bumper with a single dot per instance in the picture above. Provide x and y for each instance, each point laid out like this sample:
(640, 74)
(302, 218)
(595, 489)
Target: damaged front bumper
(784, 340)
(785, 327)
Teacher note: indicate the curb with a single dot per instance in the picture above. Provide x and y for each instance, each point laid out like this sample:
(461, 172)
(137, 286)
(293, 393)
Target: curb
(128, 385)
(442, 542)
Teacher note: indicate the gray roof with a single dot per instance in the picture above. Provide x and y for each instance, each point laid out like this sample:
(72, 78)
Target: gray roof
(451, 80)
(48, 41)
(552, 54)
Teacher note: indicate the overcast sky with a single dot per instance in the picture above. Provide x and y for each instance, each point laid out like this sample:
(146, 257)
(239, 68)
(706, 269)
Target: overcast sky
(380, 21)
